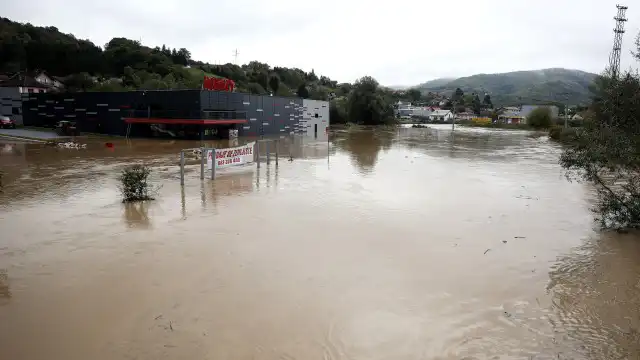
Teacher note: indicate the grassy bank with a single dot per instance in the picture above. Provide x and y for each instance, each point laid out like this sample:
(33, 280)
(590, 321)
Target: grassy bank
(562, 134)
(498, 126)
(357, 127)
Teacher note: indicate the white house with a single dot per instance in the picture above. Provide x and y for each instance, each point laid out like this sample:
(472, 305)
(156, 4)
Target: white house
(441, 115)
(422, 111)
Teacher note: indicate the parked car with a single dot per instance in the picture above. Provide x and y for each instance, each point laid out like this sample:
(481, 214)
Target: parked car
(7, 123)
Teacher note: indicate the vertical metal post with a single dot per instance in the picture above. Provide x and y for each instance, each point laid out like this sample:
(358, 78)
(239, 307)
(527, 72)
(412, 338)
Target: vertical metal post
(181, 167)
(203, 155)
(258, 153)
(213, 163)
(277, 143)
(183, 203)
(267, 150)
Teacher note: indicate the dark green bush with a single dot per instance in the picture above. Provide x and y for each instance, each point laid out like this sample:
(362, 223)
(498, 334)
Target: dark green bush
(134, 184)
(562, 134)
(540, 118)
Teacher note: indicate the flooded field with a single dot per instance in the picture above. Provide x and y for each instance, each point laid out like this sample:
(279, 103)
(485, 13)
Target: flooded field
(407, 244)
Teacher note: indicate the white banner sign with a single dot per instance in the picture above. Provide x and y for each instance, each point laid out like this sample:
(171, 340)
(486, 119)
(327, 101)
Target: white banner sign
(232, 156)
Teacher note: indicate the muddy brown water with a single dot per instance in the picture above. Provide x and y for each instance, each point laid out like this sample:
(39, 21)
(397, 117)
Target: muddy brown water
(408, 244)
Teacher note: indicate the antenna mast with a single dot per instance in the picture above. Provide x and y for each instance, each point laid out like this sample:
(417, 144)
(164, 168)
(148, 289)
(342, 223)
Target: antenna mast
(235, 57)
(614, 58)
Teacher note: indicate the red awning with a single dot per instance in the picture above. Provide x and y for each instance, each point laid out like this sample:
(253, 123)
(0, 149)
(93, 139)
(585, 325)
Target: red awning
(184, 121)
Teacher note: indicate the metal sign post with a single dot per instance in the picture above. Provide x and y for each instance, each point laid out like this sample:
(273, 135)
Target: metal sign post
(258, 154)
(267, 147)
(181, 167)
(213, 163)
(203, 156)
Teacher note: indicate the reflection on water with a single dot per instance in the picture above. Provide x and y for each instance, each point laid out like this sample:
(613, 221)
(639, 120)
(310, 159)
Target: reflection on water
(363, 146)
(136, 214)
(415, 243)
(5, 292)
(596, 292)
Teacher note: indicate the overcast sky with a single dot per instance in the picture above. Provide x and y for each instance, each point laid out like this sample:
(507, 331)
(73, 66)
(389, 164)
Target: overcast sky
(400, 42)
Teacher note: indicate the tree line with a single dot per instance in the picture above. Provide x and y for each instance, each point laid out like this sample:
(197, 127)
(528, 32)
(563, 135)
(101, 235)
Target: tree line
(605, 152)
(124, 64)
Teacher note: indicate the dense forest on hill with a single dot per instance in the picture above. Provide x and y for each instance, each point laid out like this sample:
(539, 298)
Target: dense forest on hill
(563, 86)
(124, 64)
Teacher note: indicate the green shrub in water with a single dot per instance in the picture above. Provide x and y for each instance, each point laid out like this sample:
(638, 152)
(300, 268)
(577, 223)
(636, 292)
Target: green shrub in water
(134, 184)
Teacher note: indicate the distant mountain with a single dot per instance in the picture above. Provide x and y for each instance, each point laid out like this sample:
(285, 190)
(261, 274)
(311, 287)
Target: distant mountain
(399, 87)
(538, 86)
(435, 83)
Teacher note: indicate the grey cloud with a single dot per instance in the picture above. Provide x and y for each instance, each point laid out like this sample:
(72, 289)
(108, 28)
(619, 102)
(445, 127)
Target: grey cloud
(403, 42)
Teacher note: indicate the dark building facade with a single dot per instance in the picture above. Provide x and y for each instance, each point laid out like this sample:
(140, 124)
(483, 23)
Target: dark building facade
(11, 103)
(176, 113)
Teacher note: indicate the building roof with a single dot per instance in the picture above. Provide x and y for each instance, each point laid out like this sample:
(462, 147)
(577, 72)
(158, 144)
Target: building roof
(23, 81)
(511, 115)
(441, 112)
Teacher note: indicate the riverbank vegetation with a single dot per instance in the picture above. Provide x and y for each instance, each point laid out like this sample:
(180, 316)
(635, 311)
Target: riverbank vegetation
(563, 134)
(606, 152)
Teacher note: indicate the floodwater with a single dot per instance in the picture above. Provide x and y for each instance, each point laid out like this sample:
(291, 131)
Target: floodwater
(407, 244)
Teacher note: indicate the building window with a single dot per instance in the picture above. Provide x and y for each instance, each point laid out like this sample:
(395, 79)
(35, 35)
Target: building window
(316, 115)
(30, 90)
(15, 111)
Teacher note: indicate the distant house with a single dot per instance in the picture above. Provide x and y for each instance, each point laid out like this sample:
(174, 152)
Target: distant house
(51, 81)
(577, 117)
(404, 109)
(422, 111)
(441, 115)
(35, 82)
(510, 108)
(25, 84)
(512, 117)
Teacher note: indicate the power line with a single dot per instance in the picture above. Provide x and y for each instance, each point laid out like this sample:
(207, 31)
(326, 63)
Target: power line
(235, 57)
(614, 58)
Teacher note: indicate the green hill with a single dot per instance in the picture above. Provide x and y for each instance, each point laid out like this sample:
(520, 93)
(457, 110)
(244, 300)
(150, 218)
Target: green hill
(538, 86)
(125, 64)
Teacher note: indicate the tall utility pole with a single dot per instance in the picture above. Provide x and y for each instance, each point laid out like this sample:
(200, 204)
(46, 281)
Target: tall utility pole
(614, 58)
(235, 57)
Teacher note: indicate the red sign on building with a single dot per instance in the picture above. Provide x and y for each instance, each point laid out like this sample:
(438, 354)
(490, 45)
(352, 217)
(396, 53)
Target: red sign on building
(218, 84)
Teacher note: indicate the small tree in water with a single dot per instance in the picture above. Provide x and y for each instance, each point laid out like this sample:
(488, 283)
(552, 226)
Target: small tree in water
(134, 184)
(606, 152)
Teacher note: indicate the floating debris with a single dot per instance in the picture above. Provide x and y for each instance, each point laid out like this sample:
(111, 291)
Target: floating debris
(72, 145)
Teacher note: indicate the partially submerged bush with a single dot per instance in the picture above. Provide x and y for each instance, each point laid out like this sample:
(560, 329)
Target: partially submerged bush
(562, 134)
(134, 184)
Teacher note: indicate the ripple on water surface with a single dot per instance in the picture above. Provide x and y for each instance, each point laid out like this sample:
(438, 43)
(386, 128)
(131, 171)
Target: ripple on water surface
(403, 244)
